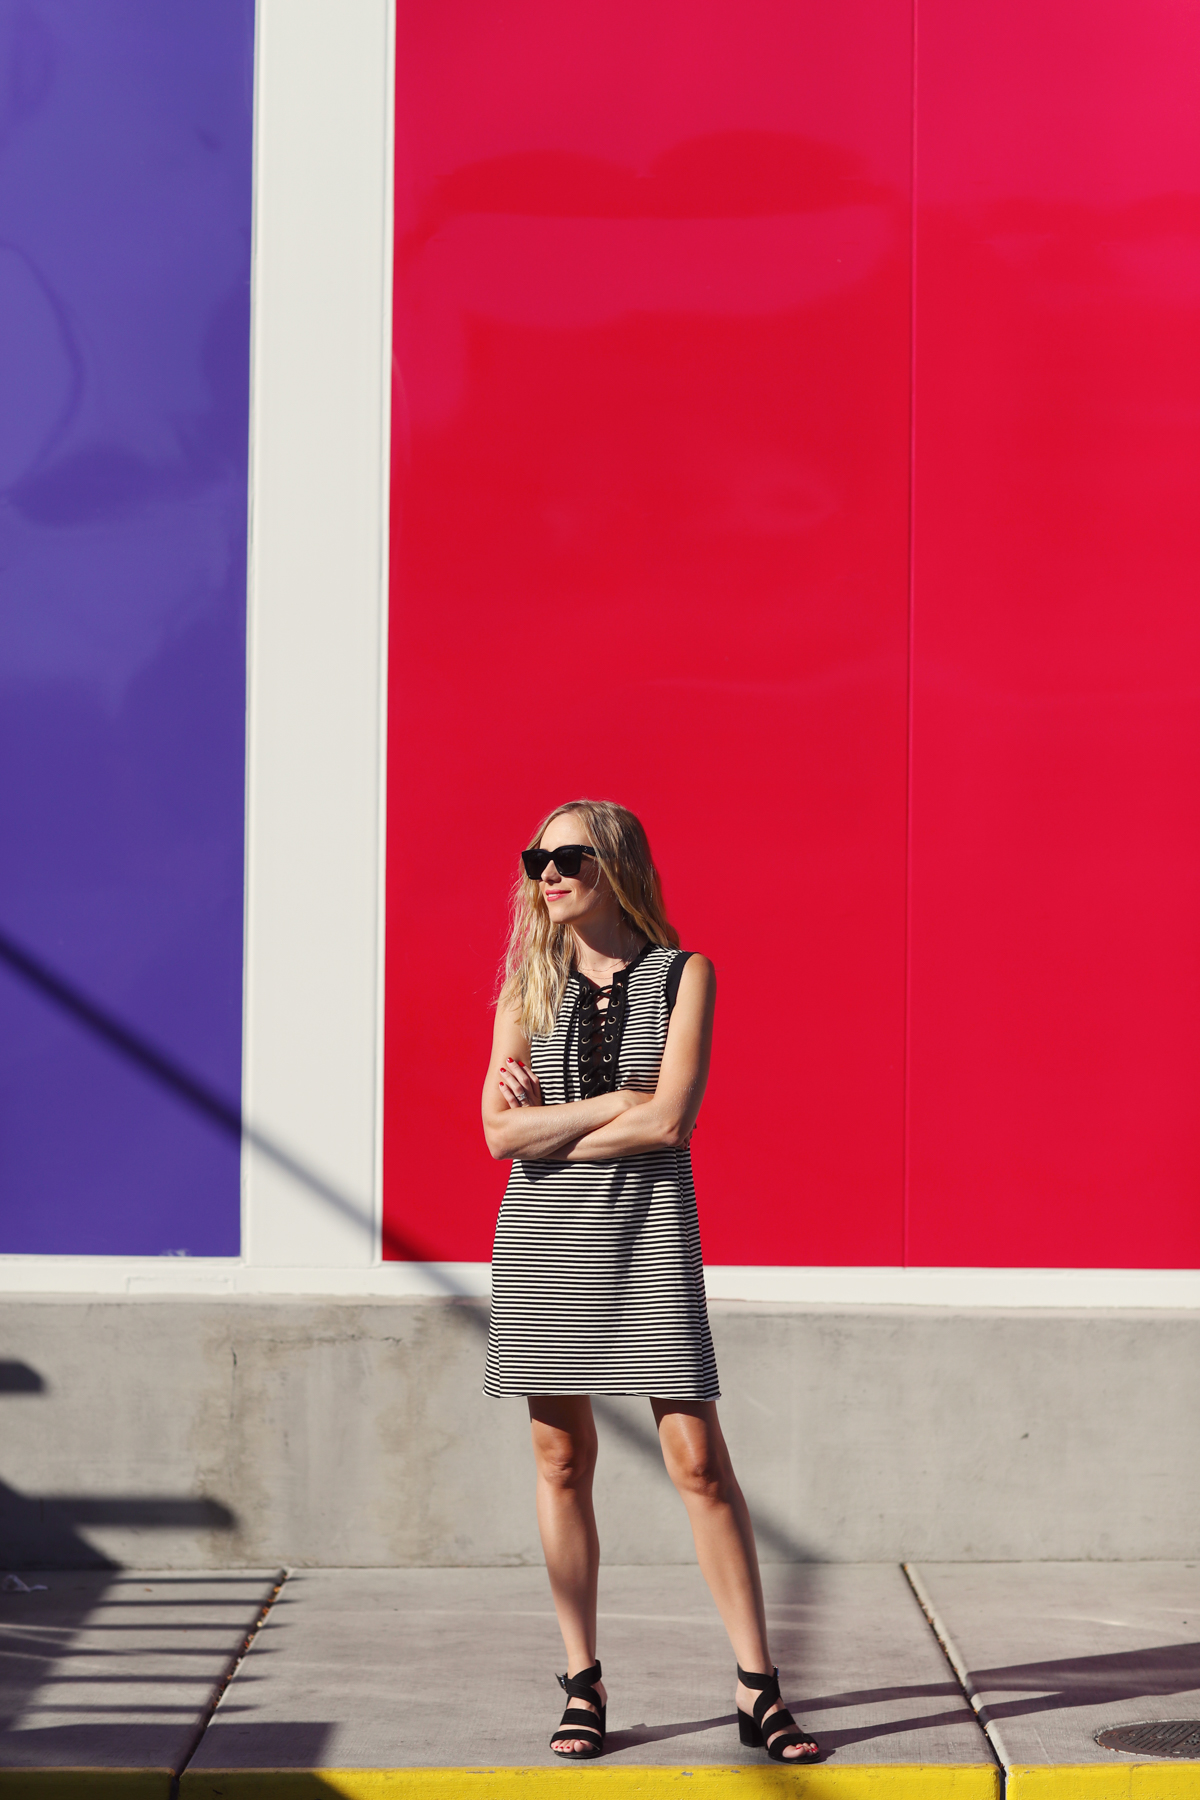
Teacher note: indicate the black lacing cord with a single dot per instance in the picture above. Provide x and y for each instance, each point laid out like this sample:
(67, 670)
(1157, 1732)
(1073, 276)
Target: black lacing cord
(600, 1033)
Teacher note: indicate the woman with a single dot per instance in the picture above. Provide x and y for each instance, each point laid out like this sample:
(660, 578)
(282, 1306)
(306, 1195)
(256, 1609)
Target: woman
(599, 1064)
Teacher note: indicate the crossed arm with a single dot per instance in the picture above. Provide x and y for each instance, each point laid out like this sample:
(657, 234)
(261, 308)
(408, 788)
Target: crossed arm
(609, 1125)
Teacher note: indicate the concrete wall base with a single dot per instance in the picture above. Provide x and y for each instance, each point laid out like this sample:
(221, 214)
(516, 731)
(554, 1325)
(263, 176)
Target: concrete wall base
(195, 1433)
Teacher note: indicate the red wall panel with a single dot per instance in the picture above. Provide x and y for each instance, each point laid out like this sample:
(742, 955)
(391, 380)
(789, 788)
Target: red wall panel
(650, 542)
(1055, 962)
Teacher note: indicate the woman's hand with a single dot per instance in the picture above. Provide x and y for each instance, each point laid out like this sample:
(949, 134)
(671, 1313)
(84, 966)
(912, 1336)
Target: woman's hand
(519, 1085)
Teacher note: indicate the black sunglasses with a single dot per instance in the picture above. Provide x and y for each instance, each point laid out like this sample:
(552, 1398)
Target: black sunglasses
(567, 859)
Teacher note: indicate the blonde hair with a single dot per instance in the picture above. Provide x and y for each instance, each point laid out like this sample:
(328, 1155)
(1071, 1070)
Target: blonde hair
(541, 954)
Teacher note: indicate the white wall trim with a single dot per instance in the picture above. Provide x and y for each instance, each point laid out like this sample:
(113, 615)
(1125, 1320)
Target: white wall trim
(965, 1288)
(959, 1289)
(385, 509)
(219, 1276)
(317, 605)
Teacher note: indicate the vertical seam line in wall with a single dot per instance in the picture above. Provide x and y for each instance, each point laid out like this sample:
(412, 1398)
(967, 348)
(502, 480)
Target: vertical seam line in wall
(387, 327)
(252, 447)
(906, 1129)
(961, 1674)
(231, 1669)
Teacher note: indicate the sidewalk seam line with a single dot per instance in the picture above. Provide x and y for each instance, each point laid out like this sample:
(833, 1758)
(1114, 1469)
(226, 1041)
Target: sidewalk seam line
(231, 1669)
(962, 1674)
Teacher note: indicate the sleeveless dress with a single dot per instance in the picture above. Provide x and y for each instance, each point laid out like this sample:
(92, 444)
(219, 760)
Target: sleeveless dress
(597, 1279)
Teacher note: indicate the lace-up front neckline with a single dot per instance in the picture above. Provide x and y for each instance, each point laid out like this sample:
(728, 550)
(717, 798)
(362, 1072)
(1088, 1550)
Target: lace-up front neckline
(602, 1028)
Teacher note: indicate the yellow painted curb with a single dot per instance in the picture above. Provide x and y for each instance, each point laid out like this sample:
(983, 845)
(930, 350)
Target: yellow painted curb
(898, 1781)
(1105, 1781)
(81, 1784)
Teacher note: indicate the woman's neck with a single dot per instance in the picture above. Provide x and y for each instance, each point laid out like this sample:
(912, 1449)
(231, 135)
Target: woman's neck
(605, 946)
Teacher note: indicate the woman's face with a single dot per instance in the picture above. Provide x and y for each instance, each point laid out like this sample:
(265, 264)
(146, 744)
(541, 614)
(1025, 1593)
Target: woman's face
(572, 898)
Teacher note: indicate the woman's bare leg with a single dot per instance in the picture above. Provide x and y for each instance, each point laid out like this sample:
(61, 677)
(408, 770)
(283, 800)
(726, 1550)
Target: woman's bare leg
(564, 1448)
(698, 1462)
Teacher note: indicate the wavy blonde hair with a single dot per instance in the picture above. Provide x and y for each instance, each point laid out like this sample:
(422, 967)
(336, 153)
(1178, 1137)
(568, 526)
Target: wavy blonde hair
(541, 954)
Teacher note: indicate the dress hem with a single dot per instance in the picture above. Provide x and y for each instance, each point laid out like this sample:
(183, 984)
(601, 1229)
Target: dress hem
(602, 1393)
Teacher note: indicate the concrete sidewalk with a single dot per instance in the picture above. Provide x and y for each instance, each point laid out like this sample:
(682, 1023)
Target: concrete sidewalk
(439, 1682)
(454, 1669)
(1052, 1653)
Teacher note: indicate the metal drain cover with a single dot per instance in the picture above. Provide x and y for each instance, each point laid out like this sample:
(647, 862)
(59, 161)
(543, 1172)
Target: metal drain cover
(1166, 1737)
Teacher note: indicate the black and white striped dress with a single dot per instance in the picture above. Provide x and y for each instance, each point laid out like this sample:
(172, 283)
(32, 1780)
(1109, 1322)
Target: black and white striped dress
(597, 1280)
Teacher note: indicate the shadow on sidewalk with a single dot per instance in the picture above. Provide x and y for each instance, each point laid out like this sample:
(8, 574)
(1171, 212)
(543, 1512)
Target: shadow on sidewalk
(102, 1670)
(1055, 1686)
(1073, 1681)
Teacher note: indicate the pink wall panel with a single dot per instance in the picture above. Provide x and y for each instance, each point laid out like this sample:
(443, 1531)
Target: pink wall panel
(1055, 963)
(651, 543)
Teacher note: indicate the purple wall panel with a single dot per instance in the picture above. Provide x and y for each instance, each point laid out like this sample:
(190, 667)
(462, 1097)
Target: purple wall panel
(125, 204)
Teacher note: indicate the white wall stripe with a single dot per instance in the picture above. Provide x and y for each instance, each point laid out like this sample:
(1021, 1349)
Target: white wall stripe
(318, 614)
(957, 1289)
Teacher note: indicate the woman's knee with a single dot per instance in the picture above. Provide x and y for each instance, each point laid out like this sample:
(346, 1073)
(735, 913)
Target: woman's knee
(565, 1457)
(701, 1478)
(566, 1466)
(697, 1461)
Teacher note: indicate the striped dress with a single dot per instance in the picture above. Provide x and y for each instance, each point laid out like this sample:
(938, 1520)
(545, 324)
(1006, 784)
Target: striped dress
(597, 1281)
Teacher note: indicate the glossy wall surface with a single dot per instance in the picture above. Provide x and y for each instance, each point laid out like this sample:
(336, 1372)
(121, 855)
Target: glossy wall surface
(125, 206)
(651, 543)
(660, 394)
(1055, 999)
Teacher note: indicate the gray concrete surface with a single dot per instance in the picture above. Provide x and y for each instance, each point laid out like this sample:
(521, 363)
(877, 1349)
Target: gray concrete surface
(1060, 1651)
(198, 1433)
(107, 1671)
(429, 1668)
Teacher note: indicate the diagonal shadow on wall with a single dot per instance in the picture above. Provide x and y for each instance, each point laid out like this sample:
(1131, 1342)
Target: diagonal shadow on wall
(43, 1531)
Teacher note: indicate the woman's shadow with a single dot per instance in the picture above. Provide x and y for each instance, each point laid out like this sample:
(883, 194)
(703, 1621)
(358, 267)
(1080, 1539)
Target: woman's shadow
(637, 1735)
(657, 1734)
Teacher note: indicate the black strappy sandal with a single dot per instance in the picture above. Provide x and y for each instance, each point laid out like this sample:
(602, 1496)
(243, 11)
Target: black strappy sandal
(781, 1728)
(575, 1721)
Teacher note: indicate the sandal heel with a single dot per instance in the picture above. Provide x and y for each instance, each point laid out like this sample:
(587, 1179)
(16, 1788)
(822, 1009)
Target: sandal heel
(748, 1731)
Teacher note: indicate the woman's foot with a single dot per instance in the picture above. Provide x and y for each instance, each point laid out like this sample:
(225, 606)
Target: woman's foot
(806, 1748)
(582, 1746)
